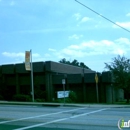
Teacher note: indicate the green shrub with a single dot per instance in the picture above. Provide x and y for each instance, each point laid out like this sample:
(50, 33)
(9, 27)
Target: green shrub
(39, 100)
(20, 97)
(61, 100)
(73, 96)
(68, 100)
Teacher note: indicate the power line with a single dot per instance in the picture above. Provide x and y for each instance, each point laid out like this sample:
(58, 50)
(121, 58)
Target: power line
(102, 16)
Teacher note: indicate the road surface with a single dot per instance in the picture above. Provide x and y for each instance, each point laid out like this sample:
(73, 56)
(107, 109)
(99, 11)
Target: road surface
(22, 117)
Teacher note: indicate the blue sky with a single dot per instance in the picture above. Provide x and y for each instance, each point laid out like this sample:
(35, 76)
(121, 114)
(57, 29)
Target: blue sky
(56, 29)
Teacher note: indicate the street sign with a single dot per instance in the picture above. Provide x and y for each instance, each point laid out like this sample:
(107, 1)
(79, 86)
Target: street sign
(62, 94)
(27, 60)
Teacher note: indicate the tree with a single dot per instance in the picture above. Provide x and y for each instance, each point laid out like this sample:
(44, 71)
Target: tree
(64, 61)
(74, 63)
(120, 69)
(83, 65)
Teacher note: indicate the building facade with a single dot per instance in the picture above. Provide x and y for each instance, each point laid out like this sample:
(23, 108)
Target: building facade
(47, 79)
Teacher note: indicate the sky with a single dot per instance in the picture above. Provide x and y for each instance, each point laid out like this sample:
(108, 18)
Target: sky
(57, 29)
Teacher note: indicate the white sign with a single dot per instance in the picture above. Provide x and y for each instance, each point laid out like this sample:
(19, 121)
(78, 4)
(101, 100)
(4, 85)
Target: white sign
(27, 60)
(63, 81)
(60, 94)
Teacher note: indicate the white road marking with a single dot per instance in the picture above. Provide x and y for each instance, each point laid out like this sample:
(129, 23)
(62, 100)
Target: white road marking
(3, 122)
(58, 120)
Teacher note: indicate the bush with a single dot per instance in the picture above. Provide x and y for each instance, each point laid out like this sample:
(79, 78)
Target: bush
(61, 100)
(73, 96)
(20, 97)
(39, 100)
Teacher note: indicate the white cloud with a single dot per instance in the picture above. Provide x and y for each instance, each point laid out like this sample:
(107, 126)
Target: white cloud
(36, 55)
(53, 50)
(85, 19)
(81, 19)
(123, 24)
(73, 52)
(75, 36)
(12, 54)
(123, 40)
(128, 15)
(20, 56)
(88, 48)
(76, 47)
(77, 16)
(119, 51)
(107, 43)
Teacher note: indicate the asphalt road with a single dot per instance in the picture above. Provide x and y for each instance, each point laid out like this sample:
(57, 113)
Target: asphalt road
(22, 117)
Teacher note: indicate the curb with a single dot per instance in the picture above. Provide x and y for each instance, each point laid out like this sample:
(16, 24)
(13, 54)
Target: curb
(65, 105)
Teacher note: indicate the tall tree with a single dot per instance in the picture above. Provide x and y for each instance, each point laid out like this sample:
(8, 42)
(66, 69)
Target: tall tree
(120, 68)
(74, 63)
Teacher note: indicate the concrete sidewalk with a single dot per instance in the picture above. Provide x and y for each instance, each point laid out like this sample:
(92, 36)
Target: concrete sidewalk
(66, 104)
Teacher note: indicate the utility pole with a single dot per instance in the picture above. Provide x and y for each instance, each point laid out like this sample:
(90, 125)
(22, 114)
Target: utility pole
(96, 79)
(29, 67)
(32, 77)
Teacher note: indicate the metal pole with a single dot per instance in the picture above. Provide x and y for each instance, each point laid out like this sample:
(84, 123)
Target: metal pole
(64, 92)
(97, 92)
(32, 77)
(96, 79)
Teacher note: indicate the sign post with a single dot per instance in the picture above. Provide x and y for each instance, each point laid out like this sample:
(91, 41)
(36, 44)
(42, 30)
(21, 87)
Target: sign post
(96, 79)
(63, 82)
(29, 67)
(32, 77)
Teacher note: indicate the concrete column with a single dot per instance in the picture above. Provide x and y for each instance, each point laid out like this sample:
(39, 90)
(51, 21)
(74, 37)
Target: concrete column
(84, 89)
(4, 80)
(67, 86)
(84, 93)
(49, 87)
(113, 94)
(119, 94)
(102, 93)
(17, 84)
(109, 94)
